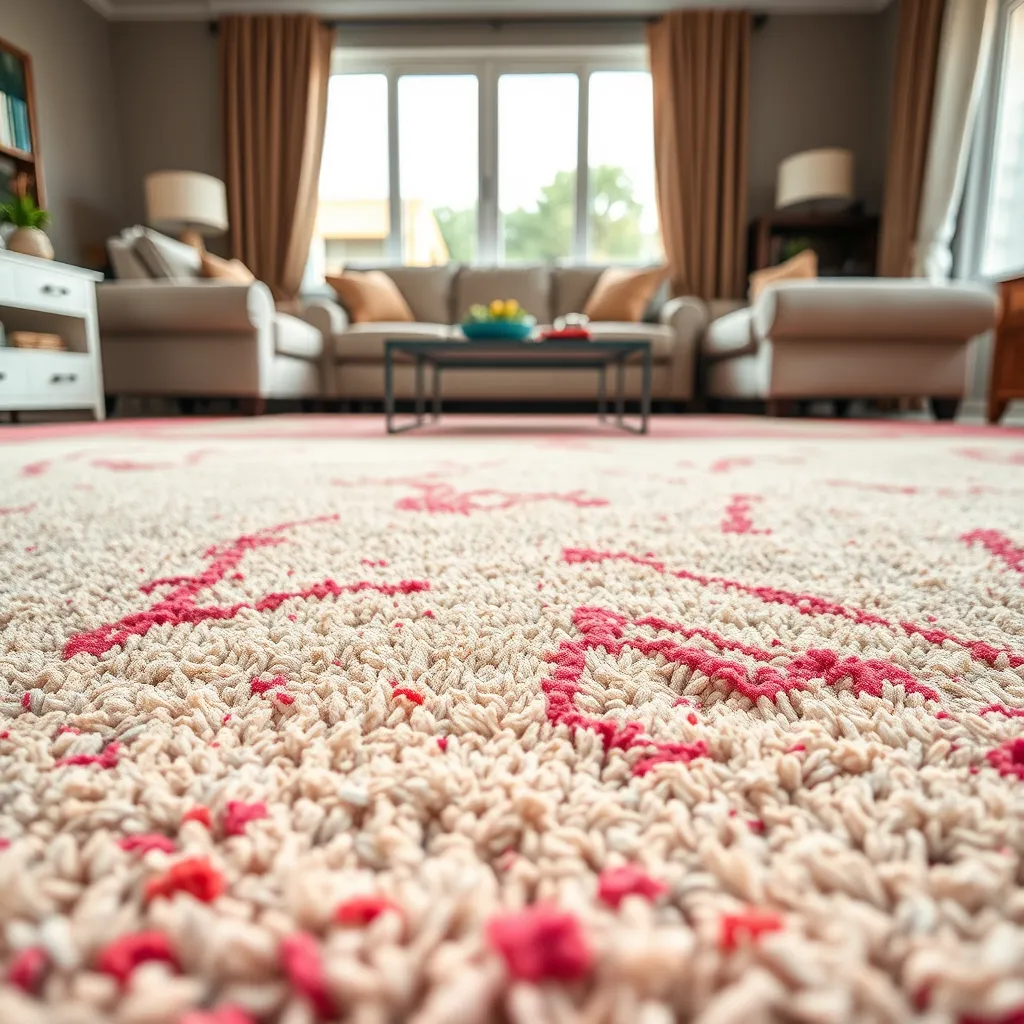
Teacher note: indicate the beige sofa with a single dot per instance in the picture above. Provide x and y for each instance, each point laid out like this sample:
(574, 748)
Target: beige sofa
(848, 338)
(164, 330)
(440, 296)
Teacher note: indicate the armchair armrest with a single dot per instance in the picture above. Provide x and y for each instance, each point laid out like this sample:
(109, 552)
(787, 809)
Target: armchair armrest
(168, 307)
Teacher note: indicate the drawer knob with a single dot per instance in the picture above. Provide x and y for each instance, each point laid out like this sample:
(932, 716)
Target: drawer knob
(58, 378)
(3, 376)
(55, 289)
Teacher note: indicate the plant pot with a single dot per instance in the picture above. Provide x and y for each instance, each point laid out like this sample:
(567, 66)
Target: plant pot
(31, 242)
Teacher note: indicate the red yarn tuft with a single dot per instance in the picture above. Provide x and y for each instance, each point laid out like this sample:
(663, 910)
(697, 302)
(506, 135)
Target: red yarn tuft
(797, 748)
(27, 968)
(749, 925)
(69, 729)
(26, 699)
(146, 843)
(428, 614)
(284, 698)
(120, 957)
(442, 742)
(615, 884)
(411, 695)
(1015, 1016)
(303, 963)
(1000, 709)
(541, 943)
(361, 910)
(692, 718)
(1008, 758)
(198, 813)
(108, 759)
(260, 687)
(238, 814)
(195, 876)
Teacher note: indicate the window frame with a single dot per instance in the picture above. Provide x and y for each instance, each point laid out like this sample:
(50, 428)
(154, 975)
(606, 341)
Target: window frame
(973, 233)
(489, 64)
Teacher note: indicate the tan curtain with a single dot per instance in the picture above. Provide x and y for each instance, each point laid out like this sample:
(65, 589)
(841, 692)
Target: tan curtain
(275, 70)
(700, 69)
(910, 120)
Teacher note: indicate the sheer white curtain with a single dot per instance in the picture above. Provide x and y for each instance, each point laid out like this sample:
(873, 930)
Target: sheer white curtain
(964, 49)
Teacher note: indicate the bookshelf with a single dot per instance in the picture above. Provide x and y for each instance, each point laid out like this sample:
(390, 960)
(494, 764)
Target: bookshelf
(21, 165)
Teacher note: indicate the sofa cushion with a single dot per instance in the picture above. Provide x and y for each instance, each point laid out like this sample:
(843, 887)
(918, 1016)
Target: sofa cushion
(166, 258)
(801, 267)
(571, 287)
(529, 286)
(370, 297)
(428, 290)
(661, 336)
(730, 335)
(294, 337)
(622, 295)
(365, 342)
(125, 261)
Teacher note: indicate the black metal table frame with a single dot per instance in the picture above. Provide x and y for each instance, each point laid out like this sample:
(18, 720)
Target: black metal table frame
(445, 355)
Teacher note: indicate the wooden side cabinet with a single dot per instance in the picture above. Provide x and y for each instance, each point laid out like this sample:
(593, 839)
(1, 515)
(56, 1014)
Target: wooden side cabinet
(1007, 380)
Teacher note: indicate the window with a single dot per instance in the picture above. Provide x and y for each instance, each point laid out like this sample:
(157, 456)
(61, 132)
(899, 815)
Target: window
(622, 213)
(518, 157)
(537, 150)
(1004, 236)
(438, 160)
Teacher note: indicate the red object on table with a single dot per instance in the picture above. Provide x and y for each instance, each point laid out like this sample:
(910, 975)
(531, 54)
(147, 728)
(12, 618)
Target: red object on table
(569, 334)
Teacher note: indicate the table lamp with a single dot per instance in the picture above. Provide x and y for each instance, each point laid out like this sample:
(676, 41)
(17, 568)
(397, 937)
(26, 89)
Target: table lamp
(818, 179)
(188, 204)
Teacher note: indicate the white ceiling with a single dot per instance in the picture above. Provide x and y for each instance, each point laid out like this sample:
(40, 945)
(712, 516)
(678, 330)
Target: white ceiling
(186, 10)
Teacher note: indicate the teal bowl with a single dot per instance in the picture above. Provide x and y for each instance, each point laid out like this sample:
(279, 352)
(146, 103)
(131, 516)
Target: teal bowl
(498, 330)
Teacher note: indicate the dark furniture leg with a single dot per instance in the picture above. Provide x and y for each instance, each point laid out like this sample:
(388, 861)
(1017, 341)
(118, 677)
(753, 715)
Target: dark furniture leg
(841, 407)
(421, 398)
(645, 394)
(389, 392)
(435, 393)
(620, 390)
(251, 406)
(945, 408)
(110, 403)
(602, 393)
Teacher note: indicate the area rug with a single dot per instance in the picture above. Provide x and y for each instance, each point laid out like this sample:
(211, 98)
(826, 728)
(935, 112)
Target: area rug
(537, 729)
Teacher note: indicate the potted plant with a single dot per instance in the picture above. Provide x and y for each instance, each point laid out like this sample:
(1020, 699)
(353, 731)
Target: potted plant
(28, 220)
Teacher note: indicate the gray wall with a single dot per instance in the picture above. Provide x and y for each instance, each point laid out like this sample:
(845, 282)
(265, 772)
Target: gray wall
(820, 80)
(70, 48)
(168, 103)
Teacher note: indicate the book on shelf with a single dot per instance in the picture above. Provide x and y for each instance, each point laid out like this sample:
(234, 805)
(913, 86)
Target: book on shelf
(14, 124)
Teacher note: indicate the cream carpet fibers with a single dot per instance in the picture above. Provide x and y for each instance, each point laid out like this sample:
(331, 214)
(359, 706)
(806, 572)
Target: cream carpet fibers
(534, 729)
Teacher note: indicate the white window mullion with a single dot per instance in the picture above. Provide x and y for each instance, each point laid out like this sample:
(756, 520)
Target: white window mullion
(395, 246)
(487, 211)
(582, 170)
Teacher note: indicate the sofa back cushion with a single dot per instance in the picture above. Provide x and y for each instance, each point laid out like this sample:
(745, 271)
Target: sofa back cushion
(571, 287)
(370, 296)
(623, 295)
(125, 262)
(165, 258)
(529, 286)
(427, 290)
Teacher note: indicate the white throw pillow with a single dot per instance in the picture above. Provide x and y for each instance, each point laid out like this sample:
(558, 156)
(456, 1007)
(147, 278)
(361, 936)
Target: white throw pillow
(166, 258)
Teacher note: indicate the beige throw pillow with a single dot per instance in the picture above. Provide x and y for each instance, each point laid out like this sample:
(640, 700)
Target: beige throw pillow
(370, 296)
(801, 267)
(229, 271)
(622, 295)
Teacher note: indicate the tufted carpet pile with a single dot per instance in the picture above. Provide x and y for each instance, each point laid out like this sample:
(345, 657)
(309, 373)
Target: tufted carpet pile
(724, 726)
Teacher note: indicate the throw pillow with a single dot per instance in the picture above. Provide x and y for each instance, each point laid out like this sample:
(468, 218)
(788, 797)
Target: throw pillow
(229, 271)
(622, 295)
(370, 296)
(166, 258)
(801, 267)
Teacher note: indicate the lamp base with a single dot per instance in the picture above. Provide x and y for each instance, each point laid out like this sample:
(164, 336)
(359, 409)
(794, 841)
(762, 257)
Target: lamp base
(194, 239)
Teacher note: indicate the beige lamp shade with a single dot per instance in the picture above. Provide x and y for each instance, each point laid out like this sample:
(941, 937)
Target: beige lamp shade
(186, 202)
(819, 177)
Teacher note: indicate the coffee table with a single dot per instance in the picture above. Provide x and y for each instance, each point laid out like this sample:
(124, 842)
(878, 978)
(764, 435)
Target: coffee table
(518, 355)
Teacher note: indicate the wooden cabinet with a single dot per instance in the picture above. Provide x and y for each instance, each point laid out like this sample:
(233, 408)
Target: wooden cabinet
(1007, 380)
(846, 243)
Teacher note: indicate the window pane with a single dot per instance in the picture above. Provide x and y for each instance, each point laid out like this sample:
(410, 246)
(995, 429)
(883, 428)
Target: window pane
(353, 220)
(537, 139)
(438, 152)
(1004, 242)
(623, 214)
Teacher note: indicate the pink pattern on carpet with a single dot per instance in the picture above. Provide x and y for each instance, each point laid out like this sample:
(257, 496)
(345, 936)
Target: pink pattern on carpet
(806, 604)
(1000, 545)
(16, 510)
(738, 518)
(444, 499)
(179, 606)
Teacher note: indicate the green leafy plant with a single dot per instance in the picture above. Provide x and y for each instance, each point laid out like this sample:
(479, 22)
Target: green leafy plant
(23, 212)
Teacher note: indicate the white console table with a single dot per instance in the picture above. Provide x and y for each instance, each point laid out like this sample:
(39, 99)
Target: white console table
(41, 295)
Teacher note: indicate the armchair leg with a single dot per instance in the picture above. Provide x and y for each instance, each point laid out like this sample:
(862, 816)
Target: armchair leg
(110, 403)
(945, 408)
(996, 408)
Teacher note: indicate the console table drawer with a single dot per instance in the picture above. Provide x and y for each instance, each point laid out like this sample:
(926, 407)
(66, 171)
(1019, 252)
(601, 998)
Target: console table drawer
(63, 377)
(13, 378)
(51, 290)
(7, 286)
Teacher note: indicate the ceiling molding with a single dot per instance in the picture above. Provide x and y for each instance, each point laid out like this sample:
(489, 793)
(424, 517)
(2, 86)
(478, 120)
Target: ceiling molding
(381, 10)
